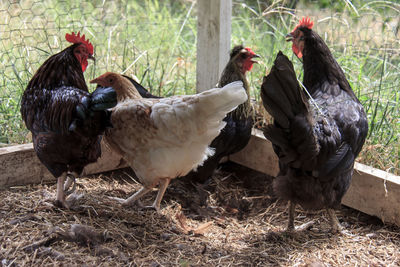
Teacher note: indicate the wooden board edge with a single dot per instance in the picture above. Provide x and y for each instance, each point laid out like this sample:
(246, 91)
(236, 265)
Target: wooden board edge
(19, 165)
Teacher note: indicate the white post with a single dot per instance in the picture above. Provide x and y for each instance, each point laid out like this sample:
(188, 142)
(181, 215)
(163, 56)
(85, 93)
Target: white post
(213, 41)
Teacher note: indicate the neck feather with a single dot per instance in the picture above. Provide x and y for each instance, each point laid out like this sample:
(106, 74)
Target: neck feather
(127, 91)
(233, 73)
(320, 66)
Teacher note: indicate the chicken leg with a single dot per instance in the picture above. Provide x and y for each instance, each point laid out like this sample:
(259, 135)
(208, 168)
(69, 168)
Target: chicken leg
(132, 199)
(161, 191)
(336, 227)
(60, 195)
(144, 190)
(71, 178)
(290, 227)
(291, 211)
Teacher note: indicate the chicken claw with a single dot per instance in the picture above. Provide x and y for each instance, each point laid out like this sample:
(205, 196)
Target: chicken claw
(135, 197)
(70, 179)
(153, 207)
(290, 227)
(120, 200)
(336, 227)
(163, 186)
(132, 199)
(60, 195)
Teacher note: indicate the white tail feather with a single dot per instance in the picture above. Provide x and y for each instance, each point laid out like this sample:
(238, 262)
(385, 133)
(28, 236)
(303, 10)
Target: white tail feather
(223, 100)
(214, 104)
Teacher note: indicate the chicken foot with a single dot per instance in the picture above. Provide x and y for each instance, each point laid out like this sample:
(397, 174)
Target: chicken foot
(336, 227)
(132, 199)
(60, 195)
(161, 191)
(62, 192)
(144, 190)
(290, 227)
(71, 178)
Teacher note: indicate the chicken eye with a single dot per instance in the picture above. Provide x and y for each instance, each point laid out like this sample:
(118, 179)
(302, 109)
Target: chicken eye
(111, 80)
(244, 56)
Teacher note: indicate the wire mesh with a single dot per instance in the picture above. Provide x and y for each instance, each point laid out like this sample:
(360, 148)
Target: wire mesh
(364, 38)
(146, 39)
(156, 41)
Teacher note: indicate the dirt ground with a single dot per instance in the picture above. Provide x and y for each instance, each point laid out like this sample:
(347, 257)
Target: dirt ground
(232, 220)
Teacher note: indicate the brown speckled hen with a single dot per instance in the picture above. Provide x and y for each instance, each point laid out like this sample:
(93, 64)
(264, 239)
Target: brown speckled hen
(66, 121)
(316, 137)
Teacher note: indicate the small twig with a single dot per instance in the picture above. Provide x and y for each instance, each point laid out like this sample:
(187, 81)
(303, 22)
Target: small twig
(46, 251)
(44, 242)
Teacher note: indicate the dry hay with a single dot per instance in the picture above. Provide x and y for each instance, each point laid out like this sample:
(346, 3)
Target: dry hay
(231, 221)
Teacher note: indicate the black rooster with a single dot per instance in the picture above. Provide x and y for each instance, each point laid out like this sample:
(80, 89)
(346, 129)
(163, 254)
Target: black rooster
(66, 121)
(317, 136)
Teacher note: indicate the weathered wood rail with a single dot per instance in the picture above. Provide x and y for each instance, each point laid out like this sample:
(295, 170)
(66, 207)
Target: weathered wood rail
(19, 165)
(372, 191)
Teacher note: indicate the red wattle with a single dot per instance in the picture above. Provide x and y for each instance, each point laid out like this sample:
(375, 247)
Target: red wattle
(247, 65)
(297, 51)
(84, 65)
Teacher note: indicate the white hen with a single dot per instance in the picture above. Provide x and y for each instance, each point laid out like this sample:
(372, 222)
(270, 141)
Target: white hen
(162, 139)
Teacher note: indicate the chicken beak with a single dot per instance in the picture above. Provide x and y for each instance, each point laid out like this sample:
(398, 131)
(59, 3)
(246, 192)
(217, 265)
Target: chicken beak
(254, 56)
(289, 37)
(96, 80)
(92, 57)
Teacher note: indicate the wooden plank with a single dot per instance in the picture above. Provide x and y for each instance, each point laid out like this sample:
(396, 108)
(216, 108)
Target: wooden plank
(372, 191)
(19, 165)
(213, 41)
(258, 155)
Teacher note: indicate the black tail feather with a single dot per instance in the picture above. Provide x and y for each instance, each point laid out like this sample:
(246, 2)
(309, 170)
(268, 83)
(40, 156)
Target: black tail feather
(142, 91)
(281, 93)
(103, 98)
(92, 114)
(292, 130)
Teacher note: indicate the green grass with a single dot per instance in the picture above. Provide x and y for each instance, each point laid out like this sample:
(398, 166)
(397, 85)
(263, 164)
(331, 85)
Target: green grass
(156, 41)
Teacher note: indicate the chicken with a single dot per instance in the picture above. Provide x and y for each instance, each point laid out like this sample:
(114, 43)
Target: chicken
(239, 122)
(316, 135)
(66, 121)
(162, 139)
(142, 91)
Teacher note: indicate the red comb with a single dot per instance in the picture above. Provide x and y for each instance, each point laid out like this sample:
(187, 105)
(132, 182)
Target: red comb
(72, 38)
(305, 22)
(249, 49)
